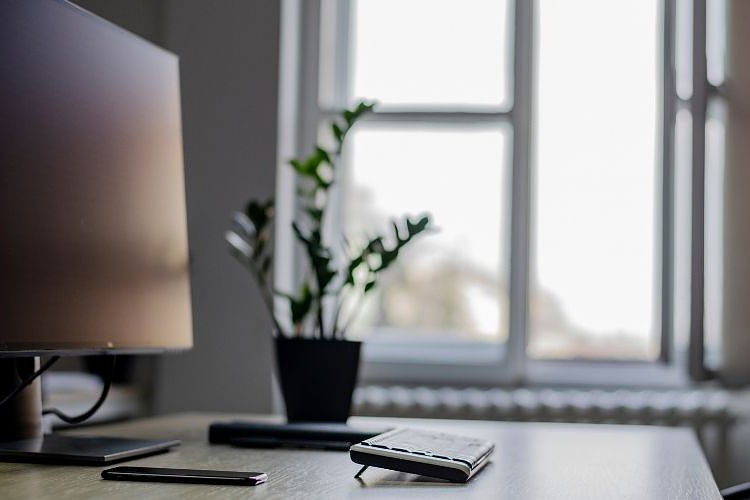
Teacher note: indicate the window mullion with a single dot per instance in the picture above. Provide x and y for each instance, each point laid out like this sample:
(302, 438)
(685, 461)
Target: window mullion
(305, 126)
(298, 115)
(341, 81)
(699, 98)
(667, 131)
(454, 118)
(342, 70)
(309, 75)
(520, 188)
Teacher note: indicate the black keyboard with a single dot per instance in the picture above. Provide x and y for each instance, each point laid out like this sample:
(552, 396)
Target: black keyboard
(433, 454)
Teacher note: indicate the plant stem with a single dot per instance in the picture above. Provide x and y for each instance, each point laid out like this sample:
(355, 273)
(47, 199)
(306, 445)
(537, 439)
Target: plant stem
(337, 314)
(320, 316)
(267, 297)
(268, 301)
(355, 312)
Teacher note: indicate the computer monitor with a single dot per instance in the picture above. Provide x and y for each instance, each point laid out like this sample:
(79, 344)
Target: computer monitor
(93, 233)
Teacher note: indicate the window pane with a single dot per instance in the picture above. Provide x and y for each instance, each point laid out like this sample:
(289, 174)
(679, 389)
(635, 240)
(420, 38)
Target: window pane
(716, 41)
(593, 276)
(683, 48)
(430, 52)
(450, 283)
(714, 231)
(683, 183)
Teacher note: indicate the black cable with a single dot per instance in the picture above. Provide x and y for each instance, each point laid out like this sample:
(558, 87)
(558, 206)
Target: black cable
(86, 415)
(28, 380)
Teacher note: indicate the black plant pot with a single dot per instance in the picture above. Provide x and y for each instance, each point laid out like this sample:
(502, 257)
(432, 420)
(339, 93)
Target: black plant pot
(317, 378)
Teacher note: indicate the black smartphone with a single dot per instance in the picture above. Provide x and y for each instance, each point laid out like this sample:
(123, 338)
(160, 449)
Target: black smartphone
(195, 476)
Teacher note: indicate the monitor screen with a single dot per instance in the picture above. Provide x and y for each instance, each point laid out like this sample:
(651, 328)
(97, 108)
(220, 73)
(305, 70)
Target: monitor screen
(93, 237)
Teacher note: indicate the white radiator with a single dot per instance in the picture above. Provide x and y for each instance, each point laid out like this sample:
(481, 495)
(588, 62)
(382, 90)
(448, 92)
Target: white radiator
(695, 407)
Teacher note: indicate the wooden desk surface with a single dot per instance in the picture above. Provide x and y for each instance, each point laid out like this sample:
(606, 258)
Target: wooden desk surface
(531, 460)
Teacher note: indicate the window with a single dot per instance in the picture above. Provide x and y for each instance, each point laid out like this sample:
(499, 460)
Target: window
(554, 144)
(593, 290)
(714, 142)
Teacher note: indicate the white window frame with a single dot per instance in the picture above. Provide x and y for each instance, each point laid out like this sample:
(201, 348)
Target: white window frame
(300, 116)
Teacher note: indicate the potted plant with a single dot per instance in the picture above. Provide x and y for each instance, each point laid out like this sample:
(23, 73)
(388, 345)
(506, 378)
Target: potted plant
(317, 366)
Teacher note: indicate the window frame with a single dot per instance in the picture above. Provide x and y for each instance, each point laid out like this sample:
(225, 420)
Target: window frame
(300, 115)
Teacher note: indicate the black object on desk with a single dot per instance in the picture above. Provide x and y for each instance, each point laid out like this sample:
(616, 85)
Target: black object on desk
(194, 476)
(326, 436)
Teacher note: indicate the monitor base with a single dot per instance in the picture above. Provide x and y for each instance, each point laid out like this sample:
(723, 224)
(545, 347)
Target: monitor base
(80, 450)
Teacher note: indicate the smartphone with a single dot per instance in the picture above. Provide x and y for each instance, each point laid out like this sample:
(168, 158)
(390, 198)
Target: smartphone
(195, 476)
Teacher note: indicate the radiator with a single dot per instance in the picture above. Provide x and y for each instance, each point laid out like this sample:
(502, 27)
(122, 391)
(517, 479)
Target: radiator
(694, 407)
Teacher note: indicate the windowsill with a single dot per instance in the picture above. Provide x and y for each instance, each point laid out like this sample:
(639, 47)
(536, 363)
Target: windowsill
(606, 374)
(434, 352)
(464, 363)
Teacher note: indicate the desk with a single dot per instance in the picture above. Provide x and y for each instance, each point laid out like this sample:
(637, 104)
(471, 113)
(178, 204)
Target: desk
(531, 460)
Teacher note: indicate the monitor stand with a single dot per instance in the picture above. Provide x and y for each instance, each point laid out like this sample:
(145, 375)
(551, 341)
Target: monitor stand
(22, 440)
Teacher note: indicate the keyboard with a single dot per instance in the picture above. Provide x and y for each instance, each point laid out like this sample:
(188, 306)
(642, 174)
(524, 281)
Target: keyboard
(428, 453)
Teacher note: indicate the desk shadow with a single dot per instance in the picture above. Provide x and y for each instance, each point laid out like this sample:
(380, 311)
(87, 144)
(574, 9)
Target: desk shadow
(384, 478)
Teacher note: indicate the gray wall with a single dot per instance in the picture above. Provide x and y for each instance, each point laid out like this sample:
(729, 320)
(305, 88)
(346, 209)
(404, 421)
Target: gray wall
(229, 62)
(142, 17)
(736, 236)
(229, 68)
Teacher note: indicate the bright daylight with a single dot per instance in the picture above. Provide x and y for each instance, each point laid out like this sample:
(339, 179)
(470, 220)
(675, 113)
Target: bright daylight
(594, 247)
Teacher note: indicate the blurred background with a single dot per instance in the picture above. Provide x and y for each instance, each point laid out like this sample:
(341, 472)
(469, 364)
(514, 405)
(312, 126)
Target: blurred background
(583, 160)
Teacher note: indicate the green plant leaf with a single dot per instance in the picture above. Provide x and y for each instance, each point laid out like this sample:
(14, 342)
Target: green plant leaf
(240, 248)
(260, 213)
(417, 227)
(352, 268)
(298, 167)
(315, 214)
(323, 155)
(310, 167)
(351, 116)
(319, 255)
(388, 256)
(300, 307)
(376, 245)
(338, 134)
(244, 226)
(251, 243)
